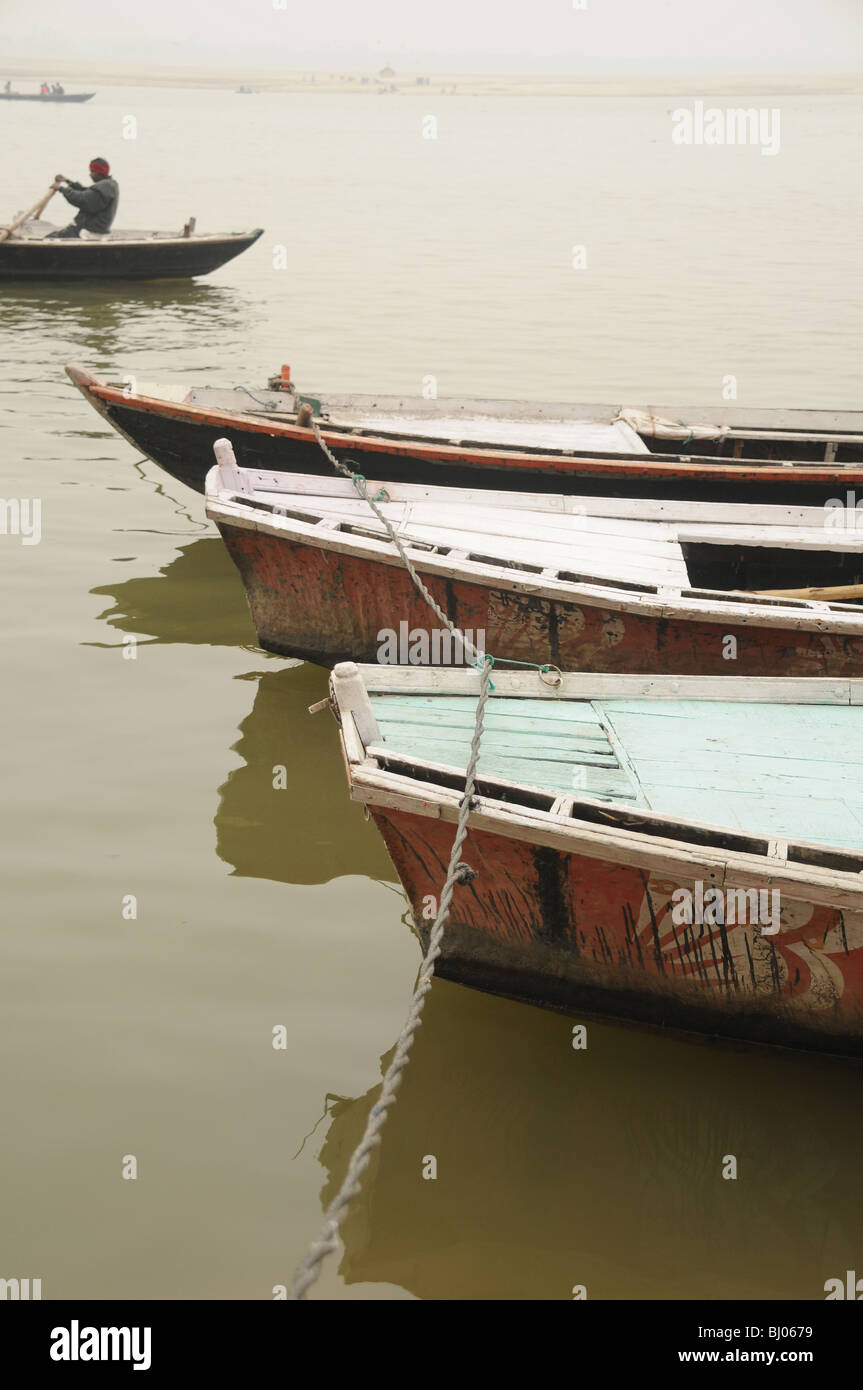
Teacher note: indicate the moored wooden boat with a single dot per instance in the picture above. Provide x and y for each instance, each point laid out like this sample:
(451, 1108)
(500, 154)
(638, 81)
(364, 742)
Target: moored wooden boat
(654, 849)
(119, 255)
(603, 584)
(792, 456)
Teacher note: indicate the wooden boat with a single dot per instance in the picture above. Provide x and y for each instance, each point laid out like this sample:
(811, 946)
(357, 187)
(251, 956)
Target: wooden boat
(47, 96)
(791, 456)
(602, 584)
(120, 255)
(628, 841)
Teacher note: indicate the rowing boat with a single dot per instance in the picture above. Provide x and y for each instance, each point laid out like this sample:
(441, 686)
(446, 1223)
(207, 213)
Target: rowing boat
(742, 455)
(676, 852)
(119, 255)
(47, 96)
(602, 584)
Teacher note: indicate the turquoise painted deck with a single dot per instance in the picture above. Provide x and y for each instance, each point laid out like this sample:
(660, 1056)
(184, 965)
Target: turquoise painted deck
(559, 747)
(789, 771)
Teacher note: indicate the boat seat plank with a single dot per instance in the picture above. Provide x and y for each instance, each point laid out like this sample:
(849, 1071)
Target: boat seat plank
(638, 552)
(585, 434)
(613, 562)
(491, 519)
(507, 721)
(776, 537)
(571, 712)
(550, 750)
(780, 769)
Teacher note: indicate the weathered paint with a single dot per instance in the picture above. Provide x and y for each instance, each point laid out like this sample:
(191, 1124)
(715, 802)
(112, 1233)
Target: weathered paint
(570, 932)
(179, 437)
(315, 603)
(790, 771)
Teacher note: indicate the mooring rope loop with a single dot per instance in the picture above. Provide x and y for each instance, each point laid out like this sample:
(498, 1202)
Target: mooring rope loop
(309, 1268)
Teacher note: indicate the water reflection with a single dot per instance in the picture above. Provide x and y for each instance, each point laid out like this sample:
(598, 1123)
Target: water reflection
(196, 598)
(309, 831)
(107, 322)
(601, 1167)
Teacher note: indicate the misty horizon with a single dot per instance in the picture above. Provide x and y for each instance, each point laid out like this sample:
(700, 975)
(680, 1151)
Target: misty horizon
(608, 37)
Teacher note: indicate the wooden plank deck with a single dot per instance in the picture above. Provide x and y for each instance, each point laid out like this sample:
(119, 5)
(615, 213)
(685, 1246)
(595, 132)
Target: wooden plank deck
(793, 772)
(602, 436)
(262, 485)
(561, 748)
(643, 550)
(790, 770)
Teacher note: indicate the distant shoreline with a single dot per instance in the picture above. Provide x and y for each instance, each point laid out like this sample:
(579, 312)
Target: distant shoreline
(26, 74)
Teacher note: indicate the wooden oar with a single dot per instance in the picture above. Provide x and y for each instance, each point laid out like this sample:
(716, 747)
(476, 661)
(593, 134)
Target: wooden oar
(36, 211)
(839, 592)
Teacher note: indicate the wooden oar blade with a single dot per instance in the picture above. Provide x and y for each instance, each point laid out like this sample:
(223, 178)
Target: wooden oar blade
(34, 212)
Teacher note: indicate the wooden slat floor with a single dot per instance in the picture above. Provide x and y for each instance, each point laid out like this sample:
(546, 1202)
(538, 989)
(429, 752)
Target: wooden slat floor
(600, 435)
(790, 771)
(632, 549)
(787, 771)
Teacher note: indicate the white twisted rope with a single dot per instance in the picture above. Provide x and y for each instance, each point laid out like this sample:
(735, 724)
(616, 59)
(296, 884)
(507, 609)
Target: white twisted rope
(475, 656)
(309, 1268)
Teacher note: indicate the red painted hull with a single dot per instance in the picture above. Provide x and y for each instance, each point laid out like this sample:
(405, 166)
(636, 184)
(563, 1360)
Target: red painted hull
(579, 934)
(326, 606)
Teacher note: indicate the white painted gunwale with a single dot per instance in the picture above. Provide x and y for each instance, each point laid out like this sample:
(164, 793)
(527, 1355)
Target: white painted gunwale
(264, 484)
(121, 238)
(691, 604)
(663, 855)
(588, 685)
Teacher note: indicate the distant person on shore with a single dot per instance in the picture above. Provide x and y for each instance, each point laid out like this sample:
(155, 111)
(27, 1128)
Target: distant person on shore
(8, 87)
(97, 205)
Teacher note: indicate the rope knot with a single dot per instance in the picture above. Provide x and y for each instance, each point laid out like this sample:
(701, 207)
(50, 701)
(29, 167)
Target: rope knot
(464, 873)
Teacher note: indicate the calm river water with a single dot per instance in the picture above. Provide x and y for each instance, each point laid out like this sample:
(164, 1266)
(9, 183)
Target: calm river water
(152, 777)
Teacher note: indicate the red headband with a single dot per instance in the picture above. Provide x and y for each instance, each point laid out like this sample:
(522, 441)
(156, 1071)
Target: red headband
(100, 166)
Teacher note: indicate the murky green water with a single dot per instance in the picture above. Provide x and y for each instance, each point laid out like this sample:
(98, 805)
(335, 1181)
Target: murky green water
(152, 776)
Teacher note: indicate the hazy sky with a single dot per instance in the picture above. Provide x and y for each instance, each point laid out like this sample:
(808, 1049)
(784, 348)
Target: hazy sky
(552, 35)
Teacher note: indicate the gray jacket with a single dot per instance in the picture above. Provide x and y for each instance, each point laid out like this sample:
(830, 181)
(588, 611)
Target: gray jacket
(97, 205)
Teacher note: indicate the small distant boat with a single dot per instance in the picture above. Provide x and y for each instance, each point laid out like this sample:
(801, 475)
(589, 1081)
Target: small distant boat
(119, 255)
(658, 850)
(46, 96)
(246, 92)
(600, 584)
(741, 455)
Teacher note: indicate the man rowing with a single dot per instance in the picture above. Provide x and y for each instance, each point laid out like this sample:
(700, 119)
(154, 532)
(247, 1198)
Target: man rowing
(97, 205)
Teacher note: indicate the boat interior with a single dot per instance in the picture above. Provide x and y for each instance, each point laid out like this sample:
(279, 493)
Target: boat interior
(737, 550)
(548, 428)
(764, 770)
(39, 231)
